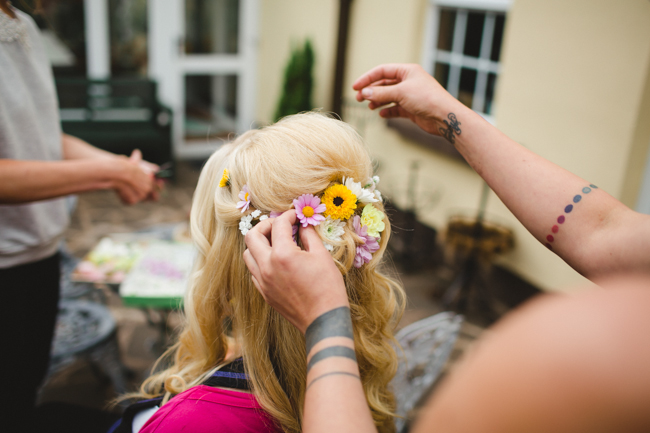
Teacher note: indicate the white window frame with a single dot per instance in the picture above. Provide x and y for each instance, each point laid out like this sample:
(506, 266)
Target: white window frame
(456, 59)
(169, 64)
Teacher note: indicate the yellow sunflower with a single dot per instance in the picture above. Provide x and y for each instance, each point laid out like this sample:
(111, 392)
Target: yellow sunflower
(225, 179)
(339, 201)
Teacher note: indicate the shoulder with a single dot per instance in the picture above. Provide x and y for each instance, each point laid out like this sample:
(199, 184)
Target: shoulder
(206, 409)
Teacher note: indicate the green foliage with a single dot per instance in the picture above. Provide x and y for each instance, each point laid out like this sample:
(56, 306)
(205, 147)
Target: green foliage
(298, 82)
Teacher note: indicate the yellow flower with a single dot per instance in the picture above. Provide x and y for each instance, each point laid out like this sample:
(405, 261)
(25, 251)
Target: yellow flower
(339, 201)
(373, 218)
(225, 179)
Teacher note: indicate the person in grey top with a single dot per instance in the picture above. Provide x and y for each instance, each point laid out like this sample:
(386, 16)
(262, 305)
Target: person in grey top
(39, 166)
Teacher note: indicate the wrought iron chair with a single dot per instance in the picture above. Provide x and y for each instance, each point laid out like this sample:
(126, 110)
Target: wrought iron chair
(426, 347)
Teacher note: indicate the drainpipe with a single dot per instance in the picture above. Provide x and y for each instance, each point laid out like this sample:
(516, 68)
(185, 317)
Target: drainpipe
(341, 51)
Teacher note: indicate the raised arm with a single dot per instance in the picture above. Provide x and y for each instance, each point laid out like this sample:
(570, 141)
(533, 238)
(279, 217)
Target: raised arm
(592, 231)
(308, 289)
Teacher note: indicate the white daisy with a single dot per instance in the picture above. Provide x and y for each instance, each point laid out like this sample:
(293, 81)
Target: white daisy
(363, 195)
(263, 217)
(256, 213)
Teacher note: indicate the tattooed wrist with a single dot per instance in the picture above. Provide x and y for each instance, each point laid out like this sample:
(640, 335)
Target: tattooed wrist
(334, 323)
(451, 127)
(340, 351)
(332, 373)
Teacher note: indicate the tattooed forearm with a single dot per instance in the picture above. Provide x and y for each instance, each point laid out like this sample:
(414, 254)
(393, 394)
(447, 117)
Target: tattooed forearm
(550, 238)
(341, 351)
(452, 127)
(334, 323)
(333, 373)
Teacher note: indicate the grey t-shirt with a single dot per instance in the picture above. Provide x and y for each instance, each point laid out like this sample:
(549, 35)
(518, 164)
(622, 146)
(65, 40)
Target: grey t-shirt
(29, 130)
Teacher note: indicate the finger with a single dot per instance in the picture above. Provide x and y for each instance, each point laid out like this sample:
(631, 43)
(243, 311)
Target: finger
(258, 242)
(382, 95)
(252, 266)
(259, 288)
(264, 228)
(282, 230)
(311, 241)
(394, 111)
(391, 71)
(136, 156)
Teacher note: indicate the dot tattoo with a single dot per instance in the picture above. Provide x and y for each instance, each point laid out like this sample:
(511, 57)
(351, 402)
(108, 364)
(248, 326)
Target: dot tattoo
(567, 210)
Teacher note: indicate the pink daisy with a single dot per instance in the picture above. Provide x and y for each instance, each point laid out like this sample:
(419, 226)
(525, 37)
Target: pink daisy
(245, 197)
(309, 210)
(368, 246)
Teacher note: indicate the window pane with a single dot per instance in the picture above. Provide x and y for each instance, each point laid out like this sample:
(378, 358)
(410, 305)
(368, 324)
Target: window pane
(210, 106)
(128, 33)
(467, 85)
(211, 26)
(62, 25)
(441, 74)
(474, 34)
(498, 37)
(446, 29)
(489, 93)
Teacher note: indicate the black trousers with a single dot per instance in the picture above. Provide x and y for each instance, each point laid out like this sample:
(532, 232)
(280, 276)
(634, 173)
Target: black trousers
(29, 295)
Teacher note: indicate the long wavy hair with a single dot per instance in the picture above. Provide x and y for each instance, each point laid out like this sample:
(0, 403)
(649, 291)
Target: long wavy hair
(226, 317)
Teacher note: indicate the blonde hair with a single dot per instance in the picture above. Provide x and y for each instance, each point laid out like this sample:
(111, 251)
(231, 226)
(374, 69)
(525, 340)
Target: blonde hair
(300, 154)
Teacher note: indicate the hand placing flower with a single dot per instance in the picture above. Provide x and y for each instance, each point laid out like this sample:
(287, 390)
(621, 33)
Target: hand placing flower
(309, 210)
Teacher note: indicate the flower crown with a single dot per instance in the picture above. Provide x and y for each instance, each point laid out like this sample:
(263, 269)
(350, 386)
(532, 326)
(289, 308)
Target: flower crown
(339, 202)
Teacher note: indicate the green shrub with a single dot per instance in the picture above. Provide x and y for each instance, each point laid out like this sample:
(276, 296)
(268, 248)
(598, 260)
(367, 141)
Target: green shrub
(298, 82)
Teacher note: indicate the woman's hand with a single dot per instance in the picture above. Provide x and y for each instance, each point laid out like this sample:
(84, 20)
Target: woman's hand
(416, 95)
(135, 179)
(300, 285)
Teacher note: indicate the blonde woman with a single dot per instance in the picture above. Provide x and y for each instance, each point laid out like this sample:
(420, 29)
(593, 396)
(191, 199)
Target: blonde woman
(238, 364)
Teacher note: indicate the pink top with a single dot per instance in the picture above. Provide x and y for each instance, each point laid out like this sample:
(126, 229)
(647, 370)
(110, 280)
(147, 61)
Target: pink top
(203, 409)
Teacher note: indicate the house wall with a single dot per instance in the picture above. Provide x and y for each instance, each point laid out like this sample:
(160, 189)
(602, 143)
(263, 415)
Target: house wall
(572, 88)
(284, 23)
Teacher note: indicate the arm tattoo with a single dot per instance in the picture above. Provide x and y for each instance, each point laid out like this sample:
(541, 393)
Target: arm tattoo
(329, 352)
(333, 373)
(567, 210)
(334, 323)
(453, 126)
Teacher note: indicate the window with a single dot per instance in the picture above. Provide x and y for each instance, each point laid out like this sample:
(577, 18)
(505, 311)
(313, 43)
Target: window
(463, 49)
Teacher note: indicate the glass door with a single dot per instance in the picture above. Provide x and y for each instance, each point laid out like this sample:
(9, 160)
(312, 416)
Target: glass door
(202, 53)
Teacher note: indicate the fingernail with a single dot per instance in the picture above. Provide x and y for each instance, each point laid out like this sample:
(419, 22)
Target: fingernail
(367, 92)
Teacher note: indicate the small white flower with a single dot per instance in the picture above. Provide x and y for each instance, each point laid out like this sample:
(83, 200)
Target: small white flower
(256, 213)
(372, 183)
(332, 230)
(363, 195)
(378, 195)
(263, 217)
(245, 224)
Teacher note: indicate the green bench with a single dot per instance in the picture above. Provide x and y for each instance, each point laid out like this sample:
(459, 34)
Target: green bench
(117, 115)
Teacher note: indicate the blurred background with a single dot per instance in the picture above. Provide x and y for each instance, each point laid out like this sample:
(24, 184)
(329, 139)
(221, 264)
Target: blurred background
(568, 79)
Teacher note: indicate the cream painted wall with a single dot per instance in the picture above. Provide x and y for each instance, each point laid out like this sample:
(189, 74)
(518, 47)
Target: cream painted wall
(570, 90)
(573, 75)
(287, 22)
